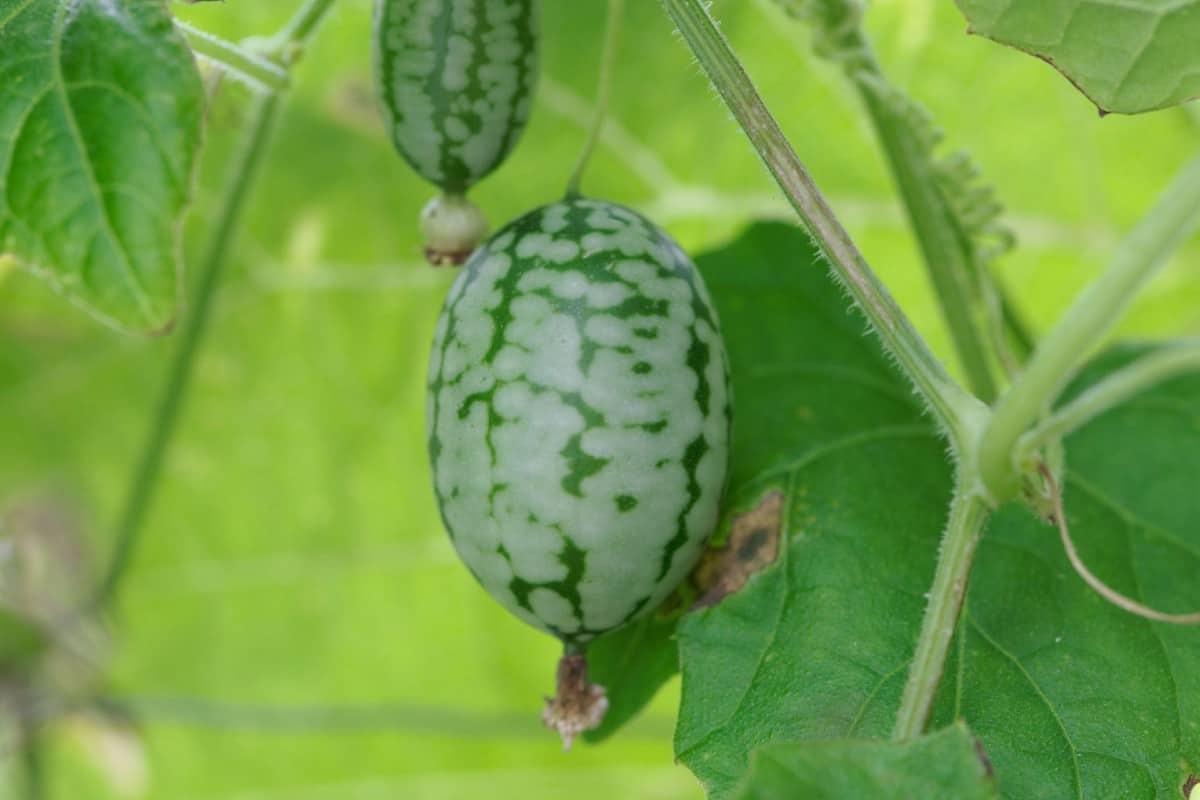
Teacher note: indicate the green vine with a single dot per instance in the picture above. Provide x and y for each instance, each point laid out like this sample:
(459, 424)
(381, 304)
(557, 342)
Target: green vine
(954, 215)
(245, 168)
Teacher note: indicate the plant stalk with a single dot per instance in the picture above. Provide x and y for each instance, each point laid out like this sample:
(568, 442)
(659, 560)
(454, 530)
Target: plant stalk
(263, 115)
(1140, 256)
(955, 409)
(955, 270)
(150, 467)
(262, 73)
(1153, 368)
(947, 258)
(969, 512)
(33, 767)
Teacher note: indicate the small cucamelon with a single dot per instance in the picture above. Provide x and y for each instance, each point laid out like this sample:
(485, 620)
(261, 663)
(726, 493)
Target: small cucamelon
(578, 424)
(455, 80)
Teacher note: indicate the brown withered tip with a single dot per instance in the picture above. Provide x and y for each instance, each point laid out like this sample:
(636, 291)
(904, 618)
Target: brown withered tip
(579, 704)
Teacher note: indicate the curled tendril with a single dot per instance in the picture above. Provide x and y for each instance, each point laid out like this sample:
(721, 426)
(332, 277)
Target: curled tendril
(971, 202)
(1100, 587)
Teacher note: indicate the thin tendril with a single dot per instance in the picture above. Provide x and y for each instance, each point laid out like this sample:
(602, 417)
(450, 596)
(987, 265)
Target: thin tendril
(603, 91)
(1101, 588)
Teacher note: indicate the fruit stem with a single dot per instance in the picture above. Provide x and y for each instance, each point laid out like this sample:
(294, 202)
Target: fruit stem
(608, 58)
(955, 409)
(969, 512)
(1093, 314)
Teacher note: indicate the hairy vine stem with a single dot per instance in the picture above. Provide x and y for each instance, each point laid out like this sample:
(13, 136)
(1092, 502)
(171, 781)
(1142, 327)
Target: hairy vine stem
(969, 513)
(245, 167)
(612, 35)
(957, 411)
(1141, 254)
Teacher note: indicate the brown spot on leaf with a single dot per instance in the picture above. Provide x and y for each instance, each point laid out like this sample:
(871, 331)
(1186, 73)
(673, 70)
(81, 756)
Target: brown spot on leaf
(1191, 783)
(752, 546)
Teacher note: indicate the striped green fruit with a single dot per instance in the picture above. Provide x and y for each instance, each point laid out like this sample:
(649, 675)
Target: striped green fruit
(578, 417)
(455, 80)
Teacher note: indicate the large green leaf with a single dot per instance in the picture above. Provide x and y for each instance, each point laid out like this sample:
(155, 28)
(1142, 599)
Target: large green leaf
(945, 764)
(800, 651)
(1126, 57)
(100, 121)
(1069, 695)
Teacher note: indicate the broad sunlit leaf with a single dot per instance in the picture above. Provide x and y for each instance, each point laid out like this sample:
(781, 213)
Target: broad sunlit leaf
(1068, 694)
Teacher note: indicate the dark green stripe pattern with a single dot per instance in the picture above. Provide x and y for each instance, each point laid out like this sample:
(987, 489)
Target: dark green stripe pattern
(578, 417)
(455, 81)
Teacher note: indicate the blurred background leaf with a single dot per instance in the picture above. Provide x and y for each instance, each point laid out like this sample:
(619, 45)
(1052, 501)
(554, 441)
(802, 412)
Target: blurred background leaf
(294, 556)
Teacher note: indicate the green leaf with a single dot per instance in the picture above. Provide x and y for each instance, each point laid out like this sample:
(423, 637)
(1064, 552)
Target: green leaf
(943, 764)
(100, 122)
(1069, 695)
(803, 649)
(1125, 57)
